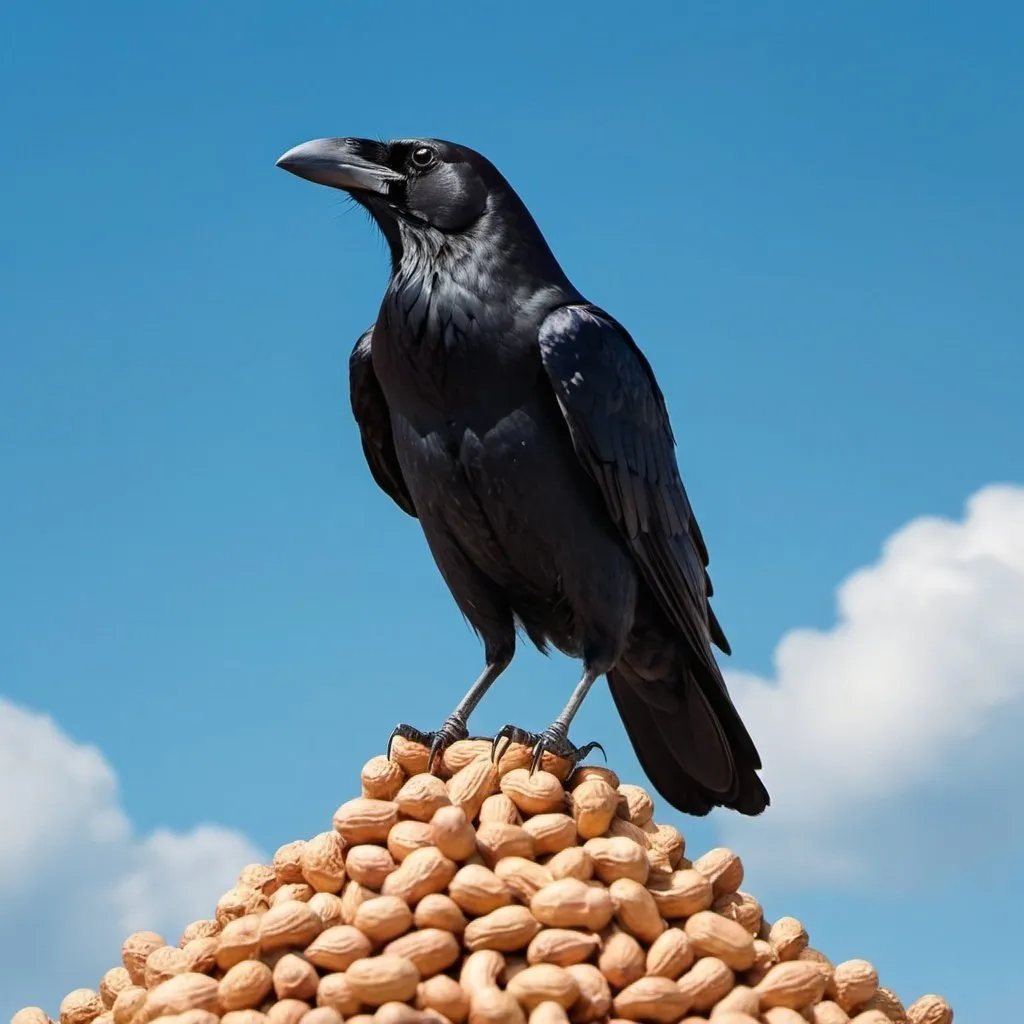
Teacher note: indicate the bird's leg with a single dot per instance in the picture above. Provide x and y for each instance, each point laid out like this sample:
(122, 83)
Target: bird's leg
(456, 726)
(555, 738)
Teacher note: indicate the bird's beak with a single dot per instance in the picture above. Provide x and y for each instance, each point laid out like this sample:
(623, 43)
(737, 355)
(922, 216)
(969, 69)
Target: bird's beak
(340, 163)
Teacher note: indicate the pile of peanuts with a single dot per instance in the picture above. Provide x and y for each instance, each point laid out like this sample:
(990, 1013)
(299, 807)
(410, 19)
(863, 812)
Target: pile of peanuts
(484, 894)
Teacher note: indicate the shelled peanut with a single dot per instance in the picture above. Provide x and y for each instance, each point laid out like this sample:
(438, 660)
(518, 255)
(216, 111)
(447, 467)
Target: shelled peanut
(487, 894)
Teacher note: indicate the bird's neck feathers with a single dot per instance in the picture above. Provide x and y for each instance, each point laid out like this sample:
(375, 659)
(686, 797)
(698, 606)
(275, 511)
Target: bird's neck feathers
(504, 245)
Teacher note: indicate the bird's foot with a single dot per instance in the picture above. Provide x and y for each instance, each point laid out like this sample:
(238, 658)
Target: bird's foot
(454, 729)
(553, 740)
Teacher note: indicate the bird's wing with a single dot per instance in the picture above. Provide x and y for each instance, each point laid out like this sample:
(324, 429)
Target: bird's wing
(620, 428)
(371, 412)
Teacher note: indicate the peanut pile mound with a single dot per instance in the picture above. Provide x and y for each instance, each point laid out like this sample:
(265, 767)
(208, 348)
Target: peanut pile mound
(488, 895)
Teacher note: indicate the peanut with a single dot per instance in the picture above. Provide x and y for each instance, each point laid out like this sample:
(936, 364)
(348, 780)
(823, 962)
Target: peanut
(328, 907)
(537, 793)
(638, 805)
(499, 807)
(478, 890)
(570, 903)
(523, 878)
(178, 994)
(421, 797)
(452, 833)
(492, 1006)
(586, 772)
(652, 999)
(551, 833)
(470, 786)
(294, 978)
(541, 983)
(464, 752)
(618, 858)
(481, 969)
(723, 869)
(574, 862)
(381, 778)
(82, 1006)
(431, 950)
(495, 840)
(285, 1011)
(406, 836)
(793, 983)
(369, 865)
(383, 918)
(337, 948)
(594, 803)
(301, 891)
(136, 950)
(930, 1010)
(335, 991)
(426, 870)
(323, 862)
(164, 963)
(365, 820)
(670, 954)
(287, 862)
(595, 998)
(789, 938)
(288, 924)
(383, 979)
(201, 955)
(437, 910)
(741, 908)
(635, 909)
(245, 985)
(561, 946)
(713, 935)
(827, 1012)
(707, 981)
(683, 893)
(112, 984)
(445, 995)
(506, 930)
(622, 959)
(413, 757)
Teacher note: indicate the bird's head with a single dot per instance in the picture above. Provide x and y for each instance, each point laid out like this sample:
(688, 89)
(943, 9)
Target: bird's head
(425, 183)
(420, 189)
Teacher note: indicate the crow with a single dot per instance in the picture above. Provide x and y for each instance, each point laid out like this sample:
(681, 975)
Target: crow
(524, 429)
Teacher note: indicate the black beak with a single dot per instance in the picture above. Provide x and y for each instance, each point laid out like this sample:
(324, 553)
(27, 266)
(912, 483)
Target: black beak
(339, 163)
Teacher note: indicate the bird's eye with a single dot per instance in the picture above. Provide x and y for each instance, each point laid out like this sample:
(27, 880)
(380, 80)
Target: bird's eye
(423, 156)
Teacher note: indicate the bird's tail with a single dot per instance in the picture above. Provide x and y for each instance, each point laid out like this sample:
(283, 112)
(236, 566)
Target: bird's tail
(689, 738)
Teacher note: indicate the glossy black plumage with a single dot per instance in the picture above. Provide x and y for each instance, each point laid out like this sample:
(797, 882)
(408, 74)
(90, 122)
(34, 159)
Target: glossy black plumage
(525, 430)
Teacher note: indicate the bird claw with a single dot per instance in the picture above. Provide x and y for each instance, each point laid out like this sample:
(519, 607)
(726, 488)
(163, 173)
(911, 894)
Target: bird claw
(510, 734)
(453, 730)
(552, 740)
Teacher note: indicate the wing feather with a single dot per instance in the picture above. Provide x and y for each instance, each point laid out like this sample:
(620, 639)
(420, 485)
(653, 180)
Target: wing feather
(621, 431)
(370, 409)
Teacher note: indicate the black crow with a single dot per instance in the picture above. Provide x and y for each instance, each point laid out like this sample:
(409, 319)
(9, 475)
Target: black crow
(524, 428)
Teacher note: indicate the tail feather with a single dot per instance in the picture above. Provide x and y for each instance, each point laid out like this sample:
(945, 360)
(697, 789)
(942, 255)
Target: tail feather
(690, 741)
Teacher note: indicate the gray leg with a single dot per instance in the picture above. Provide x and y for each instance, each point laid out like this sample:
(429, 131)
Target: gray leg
(555, 738)
(457, 725)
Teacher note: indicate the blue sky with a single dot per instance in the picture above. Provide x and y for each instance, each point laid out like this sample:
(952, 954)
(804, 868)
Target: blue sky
(810, 216)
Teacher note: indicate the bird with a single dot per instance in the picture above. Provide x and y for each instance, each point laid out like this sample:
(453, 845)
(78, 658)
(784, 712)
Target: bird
(523, 427)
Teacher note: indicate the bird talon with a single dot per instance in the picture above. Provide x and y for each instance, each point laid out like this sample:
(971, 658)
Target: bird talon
(510, 734)
(437, 742)
(556, 742)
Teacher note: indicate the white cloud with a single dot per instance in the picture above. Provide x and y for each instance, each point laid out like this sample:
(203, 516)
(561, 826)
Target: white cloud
(897, 728)
(74, 878)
